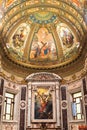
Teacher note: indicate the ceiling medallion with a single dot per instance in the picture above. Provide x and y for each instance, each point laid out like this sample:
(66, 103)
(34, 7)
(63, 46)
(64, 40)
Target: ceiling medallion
(43, 17)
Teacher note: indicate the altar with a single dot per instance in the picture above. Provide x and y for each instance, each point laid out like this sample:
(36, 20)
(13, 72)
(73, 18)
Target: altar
(43, 101)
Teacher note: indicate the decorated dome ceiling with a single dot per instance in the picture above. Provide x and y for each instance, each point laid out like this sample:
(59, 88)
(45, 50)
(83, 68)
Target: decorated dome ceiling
(48, 45)
(9, 3)
(42, 34)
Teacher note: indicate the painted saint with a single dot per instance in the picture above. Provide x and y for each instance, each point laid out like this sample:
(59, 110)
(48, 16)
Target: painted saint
(19, 37)
(9, 2)
(43, 105)
(66, 36)
(43, 46)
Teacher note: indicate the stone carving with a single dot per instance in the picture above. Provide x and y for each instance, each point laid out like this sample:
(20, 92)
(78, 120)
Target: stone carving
(22, 104)
(43, 76)
(74, 127)
(64, 104)
(10, 126)
(1, 100)
(85, 99)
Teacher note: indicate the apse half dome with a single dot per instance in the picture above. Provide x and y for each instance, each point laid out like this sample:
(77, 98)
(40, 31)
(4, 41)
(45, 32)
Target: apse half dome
(42, 34)
(43, 44)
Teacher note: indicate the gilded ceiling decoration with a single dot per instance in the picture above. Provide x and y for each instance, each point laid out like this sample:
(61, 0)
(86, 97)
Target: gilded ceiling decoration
(43, 17)
(43, 46)
(42, 34)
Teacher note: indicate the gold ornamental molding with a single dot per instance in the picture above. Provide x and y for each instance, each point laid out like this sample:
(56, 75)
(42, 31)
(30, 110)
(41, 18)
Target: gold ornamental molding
(20, 13)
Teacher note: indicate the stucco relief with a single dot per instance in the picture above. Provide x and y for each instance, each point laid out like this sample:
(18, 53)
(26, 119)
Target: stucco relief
(74, 127)
(9, 126)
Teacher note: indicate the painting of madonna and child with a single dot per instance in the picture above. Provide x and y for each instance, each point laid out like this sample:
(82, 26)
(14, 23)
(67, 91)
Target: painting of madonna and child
(43, 105)
(43, 46)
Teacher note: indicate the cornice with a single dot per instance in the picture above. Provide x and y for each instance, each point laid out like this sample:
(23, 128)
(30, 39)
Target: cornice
(66, 12)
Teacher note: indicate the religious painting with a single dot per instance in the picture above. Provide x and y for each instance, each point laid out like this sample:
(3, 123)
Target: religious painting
(18, 40)
(66, 36)
(78, 3)
(1, 1)
(9, 2)
(43, 46)
(19, 37)
(43, 105)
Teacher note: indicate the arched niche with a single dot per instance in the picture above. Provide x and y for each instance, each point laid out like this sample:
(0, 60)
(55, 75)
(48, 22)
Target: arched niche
(43, 99)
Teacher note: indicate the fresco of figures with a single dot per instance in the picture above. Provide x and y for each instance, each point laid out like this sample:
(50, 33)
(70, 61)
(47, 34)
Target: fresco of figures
(43, 46)
(19, 37)
(9, 2)
(18, 40)
(68, 41)
(1, 1)
(66, 36)
(78, 3)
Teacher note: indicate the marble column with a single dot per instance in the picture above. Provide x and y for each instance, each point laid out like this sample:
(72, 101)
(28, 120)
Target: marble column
(64, 120)
(57, 105)
(29, 104)
(1, 98)
(23, 109)
(85, 97)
